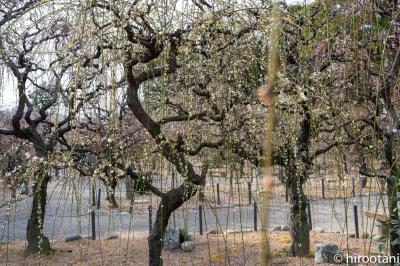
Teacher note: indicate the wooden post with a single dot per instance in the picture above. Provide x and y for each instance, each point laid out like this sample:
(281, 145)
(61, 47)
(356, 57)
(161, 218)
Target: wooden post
(150, 219)
(93, 213)
(255, 216)
(173, 186)
(309, 214)
(286, 193)
(99, 199)
(218, 196)
(201, 199)
(356, 221)
(323, 188)
(353, 185)
(201, 219)
(249, 191)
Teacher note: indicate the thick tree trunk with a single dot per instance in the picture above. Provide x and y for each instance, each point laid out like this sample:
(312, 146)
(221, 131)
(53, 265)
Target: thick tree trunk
(299, 223)
(169, 202)
(37, 242)
(111, 195)
(129, 188)
(110, 184)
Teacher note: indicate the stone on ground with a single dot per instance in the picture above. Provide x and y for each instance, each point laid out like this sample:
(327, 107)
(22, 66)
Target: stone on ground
(319, 230)
(276, 228)
(325, 253)
(187, 246)
(280, 228)
(71, 238)
(171, 239)
(112, 237)
(284, 228)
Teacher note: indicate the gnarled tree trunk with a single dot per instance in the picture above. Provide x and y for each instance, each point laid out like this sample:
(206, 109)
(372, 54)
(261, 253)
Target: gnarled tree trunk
(37, 242)
(297, 167)
(110, 187)
(299, 223)
(170, 201)
(130, 194)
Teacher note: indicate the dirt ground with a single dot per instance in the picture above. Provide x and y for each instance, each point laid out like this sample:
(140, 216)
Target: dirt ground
(228, 249)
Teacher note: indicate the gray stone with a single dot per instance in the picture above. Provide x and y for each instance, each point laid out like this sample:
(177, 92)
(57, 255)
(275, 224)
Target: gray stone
(350, 235)
(214, 232)
(171, 239)
(73, 238)
(276, 228)
(319, 230)
(284, 228)
(24, 189)
(187, 246)
(325, 253)
(112, 237)
(238, 231)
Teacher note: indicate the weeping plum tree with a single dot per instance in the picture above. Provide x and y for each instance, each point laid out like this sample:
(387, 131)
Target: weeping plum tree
(187, 72)
(24, 36)
(369, 90)
(168, 57)
(355, 82)
(303, 108)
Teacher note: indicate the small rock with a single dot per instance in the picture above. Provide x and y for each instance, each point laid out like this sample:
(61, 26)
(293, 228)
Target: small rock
(24, 189)
(213, 232)
(238, 231)
(319, 230)
(350, 235)
(325, 253)
(73, 238)
(171, 239)
(277, 228)
(187, 246)
(141, 201)
(112, 237)
(284, 228)
(65, 251)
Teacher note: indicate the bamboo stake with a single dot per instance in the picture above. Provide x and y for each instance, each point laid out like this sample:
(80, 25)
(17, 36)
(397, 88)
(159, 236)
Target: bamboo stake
(265, 94)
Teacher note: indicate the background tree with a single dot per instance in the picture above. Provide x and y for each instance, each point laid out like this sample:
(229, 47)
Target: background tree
(25, 35)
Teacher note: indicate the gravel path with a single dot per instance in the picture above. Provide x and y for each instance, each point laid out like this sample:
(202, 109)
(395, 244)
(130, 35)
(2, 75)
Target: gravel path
(62, 217)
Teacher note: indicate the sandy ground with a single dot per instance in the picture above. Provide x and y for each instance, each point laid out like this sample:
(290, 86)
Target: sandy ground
(230, 249)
